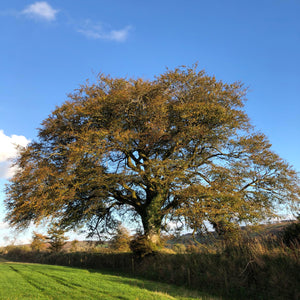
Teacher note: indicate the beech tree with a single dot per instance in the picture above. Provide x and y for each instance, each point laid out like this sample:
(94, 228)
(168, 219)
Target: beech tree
(178, 147)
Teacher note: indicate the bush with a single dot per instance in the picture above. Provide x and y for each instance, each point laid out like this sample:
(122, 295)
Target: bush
(291, 234)
(179, 248)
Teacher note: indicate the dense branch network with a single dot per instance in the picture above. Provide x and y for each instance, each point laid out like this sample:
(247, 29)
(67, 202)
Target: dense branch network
(179, 146)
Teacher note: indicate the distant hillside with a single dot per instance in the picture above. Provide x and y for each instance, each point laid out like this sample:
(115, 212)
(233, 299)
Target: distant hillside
(262, 230)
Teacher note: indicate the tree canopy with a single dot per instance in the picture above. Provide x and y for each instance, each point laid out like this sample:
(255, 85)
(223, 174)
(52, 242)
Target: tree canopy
(178, 147)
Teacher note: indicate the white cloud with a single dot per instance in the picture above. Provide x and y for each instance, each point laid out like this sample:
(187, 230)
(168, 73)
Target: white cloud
(97, 31)
(120, 35)
(8, 150)
(4, 225)
(40, 10)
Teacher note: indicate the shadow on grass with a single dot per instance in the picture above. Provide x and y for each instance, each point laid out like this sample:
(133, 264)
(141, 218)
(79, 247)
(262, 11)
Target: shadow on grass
(154, 286)
(3, 260)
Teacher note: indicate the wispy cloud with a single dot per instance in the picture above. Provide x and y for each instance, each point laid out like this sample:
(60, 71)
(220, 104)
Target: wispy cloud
(98, 31)
(40, 10)
(43, 11)
(8, 150)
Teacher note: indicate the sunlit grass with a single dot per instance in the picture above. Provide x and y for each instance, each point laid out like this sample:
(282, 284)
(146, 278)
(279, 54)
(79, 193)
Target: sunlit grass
(35, 281)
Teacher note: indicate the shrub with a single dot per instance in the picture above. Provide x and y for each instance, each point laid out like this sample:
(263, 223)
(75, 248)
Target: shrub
(120, 242)
(291, 234)
(179, 248)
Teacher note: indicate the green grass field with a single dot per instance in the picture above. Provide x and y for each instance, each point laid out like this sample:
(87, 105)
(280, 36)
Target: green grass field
(35, 281)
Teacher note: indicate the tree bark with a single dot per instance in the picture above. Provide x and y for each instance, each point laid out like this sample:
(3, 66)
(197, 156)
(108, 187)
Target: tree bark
(152, 217)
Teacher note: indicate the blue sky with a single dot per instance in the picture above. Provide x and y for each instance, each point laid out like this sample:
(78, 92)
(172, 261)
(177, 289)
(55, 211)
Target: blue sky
(49, 48)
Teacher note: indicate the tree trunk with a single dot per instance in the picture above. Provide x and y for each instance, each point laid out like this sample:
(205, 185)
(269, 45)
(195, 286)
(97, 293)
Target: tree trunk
(152, 226)
(152, 219)
(151, 216)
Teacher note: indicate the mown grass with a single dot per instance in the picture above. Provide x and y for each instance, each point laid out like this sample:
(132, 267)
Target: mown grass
(250, 269)
(35, 281)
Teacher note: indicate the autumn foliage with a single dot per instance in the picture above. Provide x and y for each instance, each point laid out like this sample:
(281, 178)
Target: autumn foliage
(176, 148)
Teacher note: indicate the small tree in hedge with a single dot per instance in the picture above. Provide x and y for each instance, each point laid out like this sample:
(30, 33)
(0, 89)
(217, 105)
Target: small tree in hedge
(38, 242)
(120, 242)
(57, 239)
(74, 245)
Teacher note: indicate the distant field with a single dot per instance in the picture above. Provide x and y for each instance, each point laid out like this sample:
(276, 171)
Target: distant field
(35, 281)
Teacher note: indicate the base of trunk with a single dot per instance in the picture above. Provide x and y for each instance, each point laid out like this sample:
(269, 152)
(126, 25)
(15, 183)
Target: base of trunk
(144, 245)
(154, 238)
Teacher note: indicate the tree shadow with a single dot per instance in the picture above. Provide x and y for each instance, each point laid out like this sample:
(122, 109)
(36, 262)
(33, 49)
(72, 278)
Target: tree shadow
(154, 286)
